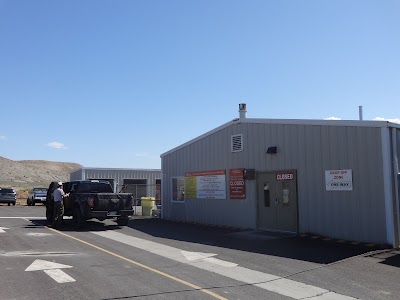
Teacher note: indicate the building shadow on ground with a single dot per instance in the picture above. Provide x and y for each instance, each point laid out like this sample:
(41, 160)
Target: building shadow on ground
(263, 242)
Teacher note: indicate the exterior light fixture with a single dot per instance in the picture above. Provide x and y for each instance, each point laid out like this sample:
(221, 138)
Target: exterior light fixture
(272, 150)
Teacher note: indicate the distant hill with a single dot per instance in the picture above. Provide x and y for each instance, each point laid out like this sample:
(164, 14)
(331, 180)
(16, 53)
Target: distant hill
(24, 174)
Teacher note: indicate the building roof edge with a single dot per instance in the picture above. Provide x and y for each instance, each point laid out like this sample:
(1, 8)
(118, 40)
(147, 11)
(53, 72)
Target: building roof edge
(312, 122)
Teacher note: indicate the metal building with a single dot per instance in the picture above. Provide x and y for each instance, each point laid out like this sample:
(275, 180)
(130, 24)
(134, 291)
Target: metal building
(338, 179)
(139, 182)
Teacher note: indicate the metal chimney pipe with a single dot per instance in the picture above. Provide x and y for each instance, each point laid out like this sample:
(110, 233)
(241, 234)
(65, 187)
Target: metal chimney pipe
(242, 111)
(360, 112)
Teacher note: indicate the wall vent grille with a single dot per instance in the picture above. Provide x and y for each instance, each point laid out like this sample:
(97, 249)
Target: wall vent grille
(237, 143)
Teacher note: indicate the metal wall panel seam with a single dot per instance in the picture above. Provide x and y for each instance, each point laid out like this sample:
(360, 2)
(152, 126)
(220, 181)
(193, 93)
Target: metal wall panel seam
(386, 159)
(362, 156)
(395, 164)
(352, 153)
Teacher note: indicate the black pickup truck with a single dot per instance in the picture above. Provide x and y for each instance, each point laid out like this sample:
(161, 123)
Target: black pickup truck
(91, 199)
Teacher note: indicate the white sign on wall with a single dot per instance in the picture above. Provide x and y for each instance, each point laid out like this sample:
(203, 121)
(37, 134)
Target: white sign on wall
(339, 180)
(205, 185)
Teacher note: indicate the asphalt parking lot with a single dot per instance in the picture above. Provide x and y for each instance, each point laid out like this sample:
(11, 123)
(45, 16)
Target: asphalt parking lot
(156, 259)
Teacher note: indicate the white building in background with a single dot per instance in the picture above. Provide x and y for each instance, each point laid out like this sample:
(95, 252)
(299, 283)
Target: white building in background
(139, 182)
(333, 178)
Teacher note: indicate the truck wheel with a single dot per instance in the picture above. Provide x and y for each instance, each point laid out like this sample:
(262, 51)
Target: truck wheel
(77, 218)
(28, 202)
(122, 221)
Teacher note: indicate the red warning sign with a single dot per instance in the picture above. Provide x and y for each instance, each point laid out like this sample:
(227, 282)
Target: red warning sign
(237, 188)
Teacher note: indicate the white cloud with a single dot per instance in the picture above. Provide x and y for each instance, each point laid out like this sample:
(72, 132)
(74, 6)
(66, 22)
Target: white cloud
(332, 118)
(3, 137)
(56, 145)
(147, 155)
(390, 120)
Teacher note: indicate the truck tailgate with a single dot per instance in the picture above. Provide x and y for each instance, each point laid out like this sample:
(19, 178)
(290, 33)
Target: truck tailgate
(113, 202)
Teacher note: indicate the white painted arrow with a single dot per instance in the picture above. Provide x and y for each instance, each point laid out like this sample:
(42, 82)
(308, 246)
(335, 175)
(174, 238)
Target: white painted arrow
(2, 229)
(191, 256)
(201, 256)
(52, 269)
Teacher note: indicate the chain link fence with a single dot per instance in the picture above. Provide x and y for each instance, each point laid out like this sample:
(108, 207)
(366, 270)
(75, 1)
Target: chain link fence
(142, 190)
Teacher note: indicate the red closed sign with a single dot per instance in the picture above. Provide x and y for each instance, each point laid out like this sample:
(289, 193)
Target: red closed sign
(237, 184)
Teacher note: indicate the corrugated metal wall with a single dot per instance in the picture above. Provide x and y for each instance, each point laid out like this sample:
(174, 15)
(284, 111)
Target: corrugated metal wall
(398, 147)
(76, 175)
(211, 153)
(354, 215)
(117, 174)
(310, 149)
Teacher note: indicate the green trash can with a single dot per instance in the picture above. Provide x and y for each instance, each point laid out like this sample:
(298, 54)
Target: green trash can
(148, 204)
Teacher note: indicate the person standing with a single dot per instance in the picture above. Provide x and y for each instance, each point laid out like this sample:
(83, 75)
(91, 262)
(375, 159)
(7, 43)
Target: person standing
(58, 195)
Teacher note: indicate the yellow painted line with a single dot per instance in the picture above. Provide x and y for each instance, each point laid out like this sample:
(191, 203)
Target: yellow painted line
(371, 245)
(355, 243)
(341, 241)
(143, 266)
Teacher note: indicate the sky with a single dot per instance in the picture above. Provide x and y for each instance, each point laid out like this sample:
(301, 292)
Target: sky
(117, 83)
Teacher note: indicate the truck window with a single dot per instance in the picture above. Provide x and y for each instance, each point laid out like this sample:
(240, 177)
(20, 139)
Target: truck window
(105, 188)
(84, 187)
(73, 188)
(92, 187)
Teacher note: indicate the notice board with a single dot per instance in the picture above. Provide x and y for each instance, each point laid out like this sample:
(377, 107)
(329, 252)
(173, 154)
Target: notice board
(205, 185)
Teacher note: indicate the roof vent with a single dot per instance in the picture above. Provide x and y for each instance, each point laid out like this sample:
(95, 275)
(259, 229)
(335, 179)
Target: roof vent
(237, 143)
(242, 110)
